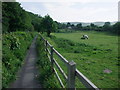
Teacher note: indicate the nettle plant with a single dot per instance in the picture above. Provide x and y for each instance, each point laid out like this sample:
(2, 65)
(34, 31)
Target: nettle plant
(15, 43)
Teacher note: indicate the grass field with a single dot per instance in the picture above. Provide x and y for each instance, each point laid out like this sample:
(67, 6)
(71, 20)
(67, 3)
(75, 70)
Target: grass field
(96, 57)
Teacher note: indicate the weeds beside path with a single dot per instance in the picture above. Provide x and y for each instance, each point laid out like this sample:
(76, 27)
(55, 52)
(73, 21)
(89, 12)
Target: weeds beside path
(27, 74)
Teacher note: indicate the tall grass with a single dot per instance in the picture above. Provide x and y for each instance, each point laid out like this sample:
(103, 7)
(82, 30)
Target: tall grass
(46, 75)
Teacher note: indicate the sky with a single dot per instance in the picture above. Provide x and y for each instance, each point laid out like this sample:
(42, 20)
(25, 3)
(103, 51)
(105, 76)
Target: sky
(74, 10)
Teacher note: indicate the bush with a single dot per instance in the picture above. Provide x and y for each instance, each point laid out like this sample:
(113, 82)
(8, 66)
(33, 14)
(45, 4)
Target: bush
(14, 50)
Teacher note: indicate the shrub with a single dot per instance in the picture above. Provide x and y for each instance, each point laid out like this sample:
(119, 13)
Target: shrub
(14, 50)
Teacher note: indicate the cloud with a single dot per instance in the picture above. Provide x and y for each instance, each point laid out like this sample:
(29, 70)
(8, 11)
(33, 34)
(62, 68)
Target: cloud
(82, 1)
(75, 11)
(64, 11)
(34, 7)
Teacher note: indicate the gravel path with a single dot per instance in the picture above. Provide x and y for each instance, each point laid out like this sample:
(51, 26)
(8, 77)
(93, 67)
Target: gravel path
(27, 74)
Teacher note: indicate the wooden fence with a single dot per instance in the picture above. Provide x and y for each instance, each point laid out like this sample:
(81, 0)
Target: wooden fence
(73, 72)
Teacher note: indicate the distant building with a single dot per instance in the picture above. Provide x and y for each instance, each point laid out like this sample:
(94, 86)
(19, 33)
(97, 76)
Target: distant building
(69, 27)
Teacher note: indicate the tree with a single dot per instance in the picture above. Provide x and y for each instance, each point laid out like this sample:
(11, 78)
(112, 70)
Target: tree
(116, 28)
(63, 26)
(11, 16)
(107, 26)
(68, 24)
(55, 26)
(73, 26)
(48, 24)
(26, 22)
(15, 18)
(36, 22)
(79, 26)
(93, 27)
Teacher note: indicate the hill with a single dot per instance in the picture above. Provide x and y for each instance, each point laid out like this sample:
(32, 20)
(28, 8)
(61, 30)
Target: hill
(88, 23)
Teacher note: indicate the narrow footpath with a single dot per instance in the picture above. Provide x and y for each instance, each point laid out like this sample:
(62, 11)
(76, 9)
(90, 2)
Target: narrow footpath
(26, 77)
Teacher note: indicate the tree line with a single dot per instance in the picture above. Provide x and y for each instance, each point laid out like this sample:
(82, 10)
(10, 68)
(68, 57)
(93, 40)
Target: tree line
(15, 18)
(107, 27)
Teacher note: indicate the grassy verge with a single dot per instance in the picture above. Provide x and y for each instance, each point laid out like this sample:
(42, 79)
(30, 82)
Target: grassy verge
(94, 57)
(46, 76)
(14, 50)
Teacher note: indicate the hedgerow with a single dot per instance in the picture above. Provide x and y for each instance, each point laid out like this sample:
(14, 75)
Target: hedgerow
(15, 45)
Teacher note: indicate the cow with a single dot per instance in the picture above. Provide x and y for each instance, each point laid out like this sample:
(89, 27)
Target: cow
(84, 37)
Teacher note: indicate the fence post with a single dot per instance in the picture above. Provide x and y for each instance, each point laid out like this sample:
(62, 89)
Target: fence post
(46, 46)
(51, 56)
(71, 74)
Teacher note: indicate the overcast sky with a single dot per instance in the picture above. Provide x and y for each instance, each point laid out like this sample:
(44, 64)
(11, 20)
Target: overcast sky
(74, 10)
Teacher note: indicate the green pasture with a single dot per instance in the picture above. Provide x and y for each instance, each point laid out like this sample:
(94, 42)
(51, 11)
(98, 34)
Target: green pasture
(103, 40)
(93, 56)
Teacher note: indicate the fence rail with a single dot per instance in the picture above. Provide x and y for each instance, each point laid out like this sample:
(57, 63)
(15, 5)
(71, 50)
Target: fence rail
(73, 72)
